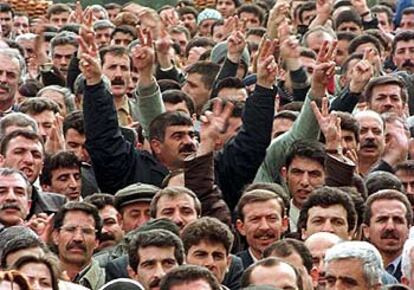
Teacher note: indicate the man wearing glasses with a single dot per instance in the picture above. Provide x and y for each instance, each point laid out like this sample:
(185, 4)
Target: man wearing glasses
(76, 229)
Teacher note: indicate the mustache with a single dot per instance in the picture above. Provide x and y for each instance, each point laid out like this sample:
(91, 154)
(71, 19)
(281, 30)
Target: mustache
(5, 87)
(10, 205)
(76, 246)
(106, 237)
(187, 148)
(118, 82)
(407, 63)
(154, 283)
(268, 234)
(369, 143)
(390, 235)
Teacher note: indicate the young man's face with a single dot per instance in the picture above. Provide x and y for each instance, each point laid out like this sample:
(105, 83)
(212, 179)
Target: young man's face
(59, 19)
(75, 142)
(61, 56)
(66, 181)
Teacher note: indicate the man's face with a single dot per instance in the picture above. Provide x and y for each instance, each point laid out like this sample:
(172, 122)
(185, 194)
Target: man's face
(66, 181)
(262, 225)
(25, 155)
(112, 229)
(59, 20)
(346, 274)
(14, 200)
(407, 179)
(178, 144)
(204, 29)
(38, 275)
(181, 40)
(75, 142)
(103, 36)
(407, 22)
(196, 89)
(239, 94)
(61, 56)
(341, 51)
(21, 25)
(349, 27)
(113, 13)
(371, 137)
(315, 41)
(180, 209)
(280, 126)
(154, 263)
(403, 56)
(332, 219)
(308, 16)
(302, 177)
(226, 7)
(384, 23)
(134, 215)
(45, 121)
(211, 255)
(249, 19)
(58, 98)
(190, 21)
(118, 71)
(6, 21)
(349, 141)
(121, 38)
(388, 228)
(29, 49)
(387, 98)
(9, 78)
(76, 239)
(282, 276)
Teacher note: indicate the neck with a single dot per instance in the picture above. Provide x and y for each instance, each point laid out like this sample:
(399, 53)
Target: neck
(5, 105)
(390, 257)
(256, 254)
(71, 269)
(119, 101)
(365, 164)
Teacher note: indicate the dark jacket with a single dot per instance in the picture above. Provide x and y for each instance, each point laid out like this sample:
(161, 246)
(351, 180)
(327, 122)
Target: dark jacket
(115, 161)
(247, 259)
(45, 202)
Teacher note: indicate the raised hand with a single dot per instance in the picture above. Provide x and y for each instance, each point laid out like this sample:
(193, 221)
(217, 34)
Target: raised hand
(42, 225)
(289, 49)
(267, 68)
(236, 43)
(278, 14)
(324, 69)
(143, 56)
(231, 24)
(324, 7)
(56, 141)
(77, 15)
(362, 72)
(360, 6)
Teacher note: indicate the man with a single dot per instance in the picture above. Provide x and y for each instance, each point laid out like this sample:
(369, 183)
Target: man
(207, 242)
(372, 140)
(188, 16)
(152, 254)
(405, 172)
(178, 204)
(61, 174)
(250, 15)
(349, 21)
(15, 197)
(304, 171)
(58, 14)
(328, 210)
(23, 150)
(103, 31)
(112, 232)
(384, 14)
(76, 228)
(386, 94)
(20, 24)
(63, 46)
(6, 20)
(273, 272)
(347, 264)
(27, 41)
(407, 19)
(205, 21)
(189, 277)
(315, 36)
(318, 244)
(401, 51)
(12, 74)
(387, 219)
(123, 35)
(44, 112)
(15, 121)
(116, 66)
(133, 204)
(295, 253)
(261, 220)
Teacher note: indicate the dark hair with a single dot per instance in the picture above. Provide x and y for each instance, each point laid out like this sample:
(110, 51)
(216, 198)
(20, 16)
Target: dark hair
(325, 197)
(258, 195)
(100, 200)
(5, 7)
(273, 187)
(178, 96)
(74, 120)
(238, 107)
(64, 38)
(62, 159)
(207, 70)
(401, 36)
(378, 34)
(346, 35)
(363, 39)
(207, 229)
(17, 244)
(154, 238)
(112, 5)
(71, 27)
(26, 134)
(199, 42)
(287, 114)
(306, 6)
(168, 84)
(253, 9)
(188, 273)
(172, 192)
(384, 80)
(187, 10)
(162, 122)
(116, 50)
(408, 10)
(229, 82)
(407, 165)
(383, 9)
(312, 150)
(267, 263)
(38, 105)
(258, 31)
(85, 207)
(295, 106)
(57, 8)
(349, 123)
(17, 119)
(287, 247)
(126, 29)
(379, 180)
(345, 65)
(388, 194)
(348, 16)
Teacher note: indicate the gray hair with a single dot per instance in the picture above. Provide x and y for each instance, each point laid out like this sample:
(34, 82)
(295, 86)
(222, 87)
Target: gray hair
(319, 30)
(68, 98)
(99, 8)
(15, 54)
(11, 171)
(102, 24)
(17, 119)
(406, 265)
(369, 256)
(25, 37)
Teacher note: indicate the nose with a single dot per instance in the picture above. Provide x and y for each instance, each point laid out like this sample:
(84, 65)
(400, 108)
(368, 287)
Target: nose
(390, 224)
(305, 178)
(78, 235)
(3, 77)
(28, 158)
(209, 261)
(177, 219)
(11, 196)
(264, 224)
(159, 271)
(327, 226)
(73, 182)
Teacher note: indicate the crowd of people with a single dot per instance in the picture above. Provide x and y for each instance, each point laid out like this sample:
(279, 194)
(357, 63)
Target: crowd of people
(209, 145)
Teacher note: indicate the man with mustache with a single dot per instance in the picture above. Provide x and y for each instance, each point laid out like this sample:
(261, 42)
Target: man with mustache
(76, 230)
(405, 172)
(402, 47)
(386, 222)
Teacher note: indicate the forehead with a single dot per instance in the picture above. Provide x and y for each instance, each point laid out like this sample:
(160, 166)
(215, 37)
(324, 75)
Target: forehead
(207, 245)
(369, 121)
(14, 180)
(64, 171)
(388, 207)
(262, 207)
(178, 128)
(155, 253)
(173, 201)
(75, 216)
(333, 211)
(64, 49)
(21, 142)
(305, 163)
(8, 63)
(386, 88)
(404, 44)
(111, 58)
(60, 14)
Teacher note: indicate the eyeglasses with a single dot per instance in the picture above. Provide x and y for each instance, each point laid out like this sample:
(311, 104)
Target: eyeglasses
(71, 229)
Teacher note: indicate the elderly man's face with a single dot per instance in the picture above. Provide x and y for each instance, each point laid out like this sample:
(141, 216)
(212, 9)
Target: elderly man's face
(9, 78)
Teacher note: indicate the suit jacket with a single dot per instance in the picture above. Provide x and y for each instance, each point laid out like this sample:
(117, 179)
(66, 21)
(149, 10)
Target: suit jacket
(397, 273)
(46, 202)
(247, 259)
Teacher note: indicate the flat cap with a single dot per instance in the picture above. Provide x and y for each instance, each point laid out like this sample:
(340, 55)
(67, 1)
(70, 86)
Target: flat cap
(134, 193)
